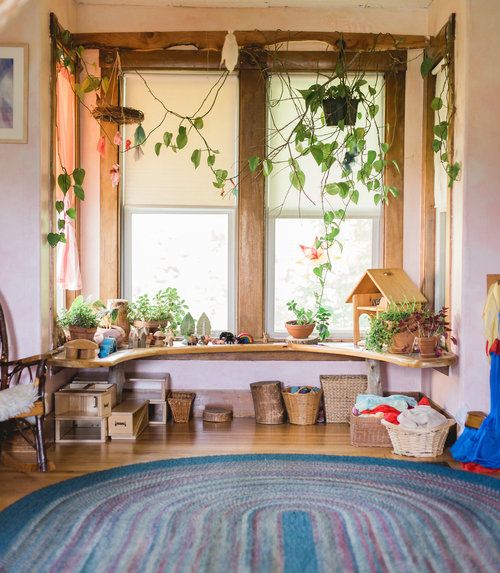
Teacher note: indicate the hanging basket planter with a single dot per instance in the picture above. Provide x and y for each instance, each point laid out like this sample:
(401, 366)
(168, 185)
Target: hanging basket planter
(117, 114)
(338, 109)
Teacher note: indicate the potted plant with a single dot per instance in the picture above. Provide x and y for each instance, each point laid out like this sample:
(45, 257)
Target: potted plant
(164, 309)
(393, 330)
(81, 319)
(431, 326)
(340, 103)
(305, 321)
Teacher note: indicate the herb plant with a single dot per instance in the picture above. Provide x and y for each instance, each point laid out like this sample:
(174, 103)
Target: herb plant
(82, 313)
(164, 306)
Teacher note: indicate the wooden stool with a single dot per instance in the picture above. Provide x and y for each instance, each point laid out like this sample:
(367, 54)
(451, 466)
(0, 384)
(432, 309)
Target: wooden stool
(268, 402)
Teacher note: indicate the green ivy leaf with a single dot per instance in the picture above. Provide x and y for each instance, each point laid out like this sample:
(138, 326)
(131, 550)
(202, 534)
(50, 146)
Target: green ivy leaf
(371, 156)
(139, 135)
(297, 179)
(332, 189)
(158, 148)
(198, 123)
(210, 160)
(79, 192)
(79, 175)
(61, 223)
(59, 206)
(355, 196)
(267, 167)
(182, 137)
(376, 198)
(196, 158)
(71, 212)
(436, 145)
(62, 238)
(253, 163)
(167, 138)
(426, 66)
(317, 153)
(379, 165)
(53, 239)
(373, 110)
(441, 130)
(384, 147)
(64, 182)
(436, 103)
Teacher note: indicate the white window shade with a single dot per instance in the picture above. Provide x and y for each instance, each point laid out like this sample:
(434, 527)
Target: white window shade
(171, 180)
(283, 200)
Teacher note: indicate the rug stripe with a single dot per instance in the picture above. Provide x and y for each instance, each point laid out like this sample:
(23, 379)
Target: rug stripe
(298, 543)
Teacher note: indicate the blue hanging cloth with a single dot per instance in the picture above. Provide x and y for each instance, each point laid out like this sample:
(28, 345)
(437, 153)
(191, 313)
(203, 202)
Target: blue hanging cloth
(482, 446)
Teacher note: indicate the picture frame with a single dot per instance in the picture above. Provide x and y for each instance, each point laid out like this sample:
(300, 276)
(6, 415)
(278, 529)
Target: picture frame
(13, 93)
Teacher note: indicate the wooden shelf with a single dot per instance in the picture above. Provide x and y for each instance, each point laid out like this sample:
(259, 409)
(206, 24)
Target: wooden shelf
(77, 415)
(333, 350)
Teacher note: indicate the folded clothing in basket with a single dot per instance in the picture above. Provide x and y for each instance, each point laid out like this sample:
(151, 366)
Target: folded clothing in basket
(421, 418)
(371, 401)
(390, 413)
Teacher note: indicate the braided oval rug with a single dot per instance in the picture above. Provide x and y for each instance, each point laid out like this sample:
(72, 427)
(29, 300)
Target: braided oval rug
(258, 513)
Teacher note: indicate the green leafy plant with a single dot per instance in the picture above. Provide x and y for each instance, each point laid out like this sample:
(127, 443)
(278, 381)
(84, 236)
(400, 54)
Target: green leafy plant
(82, 313)
(164, 306)
(66, 181)
(383, 327)
(321, 316)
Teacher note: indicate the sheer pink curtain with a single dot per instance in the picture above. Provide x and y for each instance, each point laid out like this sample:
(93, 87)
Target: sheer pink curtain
(68, 262)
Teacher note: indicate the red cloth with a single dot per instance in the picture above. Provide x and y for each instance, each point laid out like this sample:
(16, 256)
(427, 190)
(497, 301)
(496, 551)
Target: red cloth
(424, 402)
(479, 469)
(495, 347)
(390, 414)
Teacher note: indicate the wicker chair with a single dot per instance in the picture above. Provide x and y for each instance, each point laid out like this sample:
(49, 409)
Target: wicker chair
(28, 370)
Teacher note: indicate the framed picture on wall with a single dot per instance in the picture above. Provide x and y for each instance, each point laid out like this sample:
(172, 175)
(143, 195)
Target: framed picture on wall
(13, 93)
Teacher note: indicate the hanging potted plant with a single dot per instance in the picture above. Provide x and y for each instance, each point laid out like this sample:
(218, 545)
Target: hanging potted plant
(340, 104)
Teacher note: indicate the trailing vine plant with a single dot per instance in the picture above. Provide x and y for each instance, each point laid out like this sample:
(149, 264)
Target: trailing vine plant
(348, 166)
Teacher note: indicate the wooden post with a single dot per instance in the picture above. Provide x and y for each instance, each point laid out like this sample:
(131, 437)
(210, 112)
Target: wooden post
(374, 378)
(251, 197)
(395, 137)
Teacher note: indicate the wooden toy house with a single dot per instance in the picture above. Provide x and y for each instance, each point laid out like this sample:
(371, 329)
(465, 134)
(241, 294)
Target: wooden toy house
(377, 289)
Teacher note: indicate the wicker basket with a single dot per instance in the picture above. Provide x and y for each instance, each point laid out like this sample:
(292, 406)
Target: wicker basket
(418, 443)
(302, 409)
(369, 431)
(180, 403)
(117, 114)
(217, 414)
(340, 393)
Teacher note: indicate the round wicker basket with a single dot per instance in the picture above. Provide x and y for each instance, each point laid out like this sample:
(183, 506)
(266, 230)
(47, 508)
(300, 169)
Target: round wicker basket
(217, 414)
(302, 409)
(418, 443)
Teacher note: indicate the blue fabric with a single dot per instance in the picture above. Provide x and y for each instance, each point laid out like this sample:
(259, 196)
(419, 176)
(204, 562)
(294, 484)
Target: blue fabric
(370, 401)
(298, 543)
(482, 446)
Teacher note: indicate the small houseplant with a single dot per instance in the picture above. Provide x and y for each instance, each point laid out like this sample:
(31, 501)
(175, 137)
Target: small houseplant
(431, 326)
(306, 319)
(82, 318)
(164, 309)
(340, 103)
(393, 330)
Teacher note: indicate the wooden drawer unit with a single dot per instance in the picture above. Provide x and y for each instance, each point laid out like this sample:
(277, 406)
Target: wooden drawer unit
(128, 420)
(79, 400)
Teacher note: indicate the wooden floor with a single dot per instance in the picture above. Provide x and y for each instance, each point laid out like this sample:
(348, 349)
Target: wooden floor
(241, 436)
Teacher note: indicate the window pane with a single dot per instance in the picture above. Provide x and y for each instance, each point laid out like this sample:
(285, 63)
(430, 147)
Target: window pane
(188, 251)
(293, 272)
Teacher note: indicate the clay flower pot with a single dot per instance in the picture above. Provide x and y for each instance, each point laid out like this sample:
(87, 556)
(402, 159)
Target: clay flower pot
(151, 325)
(427, 346)
(300, 331)
(402, 343)
(78, 333)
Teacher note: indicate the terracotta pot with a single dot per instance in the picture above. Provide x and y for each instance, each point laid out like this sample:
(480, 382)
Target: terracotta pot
(427, 346)
(78, 333)
(300, 331)
(402, 343)
(152, 325)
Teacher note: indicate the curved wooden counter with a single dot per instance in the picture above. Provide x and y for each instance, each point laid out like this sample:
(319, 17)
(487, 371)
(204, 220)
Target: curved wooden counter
(328, 350)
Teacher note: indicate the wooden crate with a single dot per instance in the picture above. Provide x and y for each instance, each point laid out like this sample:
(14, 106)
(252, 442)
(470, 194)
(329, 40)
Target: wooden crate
(97, 384)
(128, 420)
(69, 430)
(157, 412)
(152, 387)
(76, 401)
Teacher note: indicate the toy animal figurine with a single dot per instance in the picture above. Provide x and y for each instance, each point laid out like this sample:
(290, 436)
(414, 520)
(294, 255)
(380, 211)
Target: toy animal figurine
(228, 337)
(170, 338)
(159, 338)
(204, 340)
(265, 338)
(218, 341)
(192, 340)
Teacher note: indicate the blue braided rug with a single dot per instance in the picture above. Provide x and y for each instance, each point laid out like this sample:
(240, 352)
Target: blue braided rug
(265, 513)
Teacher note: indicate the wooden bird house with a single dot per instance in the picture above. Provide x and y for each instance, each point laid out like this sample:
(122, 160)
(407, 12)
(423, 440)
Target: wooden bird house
(379, 288)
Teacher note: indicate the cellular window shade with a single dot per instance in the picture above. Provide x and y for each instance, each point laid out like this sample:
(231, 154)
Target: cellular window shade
(285, 105)
(171, 179)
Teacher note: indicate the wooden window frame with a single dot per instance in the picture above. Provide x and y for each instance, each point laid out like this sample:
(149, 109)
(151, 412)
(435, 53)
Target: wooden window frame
(251, 254)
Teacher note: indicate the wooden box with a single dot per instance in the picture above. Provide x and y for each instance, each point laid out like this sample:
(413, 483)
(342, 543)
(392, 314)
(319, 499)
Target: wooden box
(157, 412)
(76, 400)
(128, 420)
(94, 384)
(147, 387)
(69, 430)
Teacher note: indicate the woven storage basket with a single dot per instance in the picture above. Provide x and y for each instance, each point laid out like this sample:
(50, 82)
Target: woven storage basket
(369, 431)
(302, 409)
(180, 403)
(418, 443)
(340, 393)
(217, 414)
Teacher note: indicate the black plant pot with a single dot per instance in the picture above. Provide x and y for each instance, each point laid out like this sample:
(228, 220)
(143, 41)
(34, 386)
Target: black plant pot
(340, 109)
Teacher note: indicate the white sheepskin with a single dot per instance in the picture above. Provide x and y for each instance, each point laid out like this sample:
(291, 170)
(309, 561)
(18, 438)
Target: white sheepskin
(16, 400)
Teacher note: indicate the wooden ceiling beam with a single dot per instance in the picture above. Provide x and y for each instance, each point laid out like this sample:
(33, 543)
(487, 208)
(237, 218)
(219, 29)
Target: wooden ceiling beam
(307, 61)
(354, 41)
